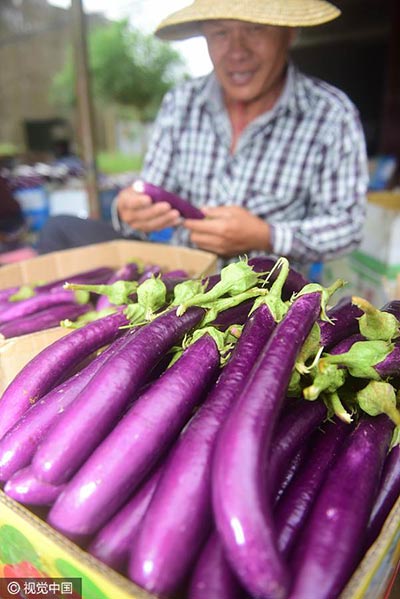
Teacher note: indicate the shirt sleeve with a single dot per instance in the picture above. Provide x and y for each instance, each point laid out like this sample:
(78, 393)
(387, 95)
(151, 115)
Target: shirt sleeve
(335, 215)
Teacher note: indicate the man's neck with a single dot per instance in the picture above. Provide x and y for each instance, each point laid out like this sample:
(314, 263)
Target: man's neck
(241, 114)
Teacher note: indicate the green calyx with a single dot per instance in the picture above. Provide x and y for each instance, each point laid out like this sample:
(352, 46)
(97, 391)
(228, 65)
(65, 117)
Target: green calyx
(326, 294)
(82, 297)
(379, 397)
(86, 318)
(361, 358)
(336, 406)
(236, 279)
(118, 293)
(273, 299)
(23, 293)
(375, 324)
(311, 349)
(328, 378)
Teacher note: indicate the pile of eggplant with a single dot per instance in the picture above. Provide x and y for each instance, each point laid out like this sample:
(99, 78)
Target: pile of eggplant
(220, 438)
(32, 308)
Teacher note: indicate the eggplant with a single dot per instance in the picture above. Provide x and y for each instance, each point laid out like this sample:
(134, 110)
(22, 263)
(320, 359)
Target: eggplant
(24, 487)
(53, 364)
(331, 544)
(296, 502)
(106, 396)
(112, 544)
(44, 319)
(37, 303)
(158, 194)
(241, 497)
(292, 433)
(139, 440)
(389, 491)
(184, 492)
(19, 444)
(212, 577)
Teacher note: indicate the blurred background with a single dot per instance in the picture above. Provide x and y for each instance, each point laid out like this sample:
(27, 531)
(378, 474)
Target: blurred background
(81, 82)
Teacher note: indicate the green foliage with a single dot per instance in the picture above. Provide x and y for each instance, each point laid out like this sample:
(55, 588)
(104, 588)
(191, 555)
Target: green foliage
(127, 68)
(113, 163)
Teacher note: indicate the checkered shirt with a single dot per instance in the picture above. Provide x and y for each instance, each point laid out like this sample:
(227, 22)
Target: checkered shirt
(301, 166)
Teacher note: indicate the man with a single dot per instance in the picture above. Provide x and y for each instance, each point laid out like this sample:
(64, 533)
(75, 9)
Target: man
(276, 160)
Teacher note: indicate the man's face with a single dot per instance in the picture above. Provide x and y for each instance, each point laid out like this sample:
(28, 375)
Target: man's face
(248, 58)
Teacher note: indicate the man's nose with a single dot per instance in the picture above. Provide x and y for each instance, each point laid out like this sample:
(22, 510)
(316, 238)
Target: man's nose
(239, 45)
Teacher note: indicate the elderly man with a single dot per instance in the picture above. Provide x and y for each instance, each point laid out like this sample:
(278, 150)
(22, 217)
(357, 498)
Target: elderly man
(276, 160)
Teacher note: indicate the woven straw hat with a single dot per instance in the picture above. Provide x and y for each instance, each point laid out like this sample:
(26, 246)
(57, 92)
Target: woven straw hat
(184, 23)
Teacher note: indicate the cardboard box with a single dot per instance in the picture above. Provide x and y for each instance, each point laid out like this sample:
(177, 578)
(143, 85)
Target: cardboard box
(29, 547)
(16, 352)
(373, 269)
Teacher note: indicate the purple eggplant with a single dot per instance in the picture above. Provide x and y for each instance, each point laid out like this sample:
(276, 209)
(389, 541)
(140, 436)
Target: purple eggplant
(290, 472)
(294, 282)
(113, 542)
(53, 364)
(393, 307)
(158, 194)
(149, 271)
(97, 275)
(344, 316)
(24, 487)
(212, 577)
(295, 504)
(94, 276)
(292, 433)
(389, 491)
(128, 272)
(19, 444)
(106, 396)
(42, 301)
(331, 544)
(241, 497)
(120, 462)
(44, 319)
(184, 491)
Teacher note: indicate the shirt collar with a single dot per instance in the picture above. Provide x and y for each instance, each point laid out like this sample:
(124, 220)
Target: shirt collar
(293, 96)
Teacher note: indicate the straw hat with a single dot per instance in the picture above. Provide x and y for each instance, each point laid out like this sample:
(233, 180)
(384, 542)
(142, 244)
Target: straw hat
(184, 23)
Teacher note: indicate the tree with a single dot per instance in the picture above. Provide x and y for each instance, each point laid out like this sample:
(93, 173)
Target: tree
(127, 67)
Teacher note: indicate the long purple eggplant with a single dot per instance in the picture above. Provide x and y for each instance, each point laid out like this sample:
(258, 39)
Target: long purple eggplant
(121, 461)
(184, 492)
(19, 444)
(290, 472)
(94, 276)
(295, 504)
(242, 506)
(42, 301)
(106, 396)
(113, 542)
(331, 544)
(44, 319)
(26, 488)
(53, 364)
(158, 194)
(389, 492)
(212, 577)
(292, 432)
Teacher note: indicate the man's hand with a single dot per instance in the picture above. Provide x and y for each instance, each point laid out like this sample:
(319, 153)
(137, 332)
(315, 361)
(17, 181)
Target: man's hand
(138, 211)
(229, 231)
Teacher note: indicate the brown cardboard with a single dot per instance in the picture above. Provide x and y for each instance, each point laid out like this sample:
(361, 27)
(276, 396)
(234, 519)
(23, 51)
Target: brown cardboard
(16, 352)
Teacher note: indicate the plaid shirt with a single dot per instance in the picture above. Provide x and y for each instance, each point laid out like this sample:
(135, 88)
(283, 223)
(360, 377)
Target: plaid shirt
(301, 166)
